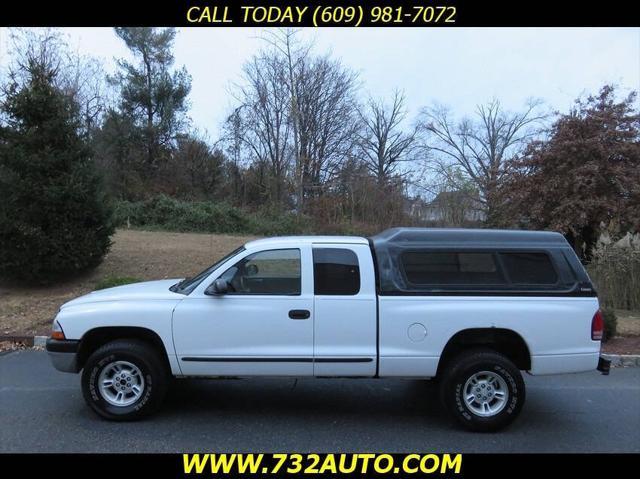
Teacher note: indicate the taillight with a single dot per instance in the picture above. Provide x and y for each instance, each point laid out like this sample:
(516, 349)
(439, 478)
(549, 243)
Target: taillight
(597, 326)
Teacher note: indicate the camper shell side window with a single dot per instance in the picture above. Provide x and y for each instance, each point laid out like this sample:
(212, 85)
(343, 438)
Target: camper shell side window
(481, 269)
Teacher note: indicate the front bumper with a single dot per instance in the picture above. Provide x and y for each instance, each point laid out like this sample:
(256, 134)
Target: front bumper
(63, 354)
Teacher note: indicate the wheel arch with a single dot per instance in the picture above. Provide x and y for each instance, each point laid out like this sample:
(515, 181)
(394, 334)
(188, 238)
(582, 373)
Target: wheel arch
(96, 337)
(504, 341)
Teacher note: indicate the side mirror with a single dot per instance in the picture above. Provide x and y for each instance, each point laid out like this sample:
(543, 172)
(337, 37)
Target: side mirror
(218, 287)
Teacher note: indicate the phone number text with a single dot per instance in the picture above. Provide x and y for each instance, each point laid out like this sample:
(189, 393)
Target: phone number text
(323, 15)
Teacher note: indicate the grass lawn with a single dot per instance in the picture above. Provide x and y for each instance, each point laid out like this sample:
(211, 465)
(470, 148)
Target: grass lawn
(628, 322)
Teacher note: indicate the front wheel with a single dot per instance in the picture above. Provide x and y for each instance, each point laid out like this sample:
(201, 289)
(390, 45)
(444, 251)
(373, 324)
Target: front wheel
(483, 390)
(124, 380)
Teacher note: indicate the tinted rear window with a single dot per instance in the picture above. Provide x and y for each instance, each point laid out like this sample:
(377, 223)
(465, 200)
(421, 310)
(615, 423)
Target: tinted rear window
(450, 268)
(335, 271)
(529, 268)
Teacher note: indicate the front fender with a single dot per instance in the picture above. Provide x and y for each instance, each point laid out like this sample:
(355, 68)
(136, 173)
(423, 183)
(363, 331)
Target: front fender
(154, 315)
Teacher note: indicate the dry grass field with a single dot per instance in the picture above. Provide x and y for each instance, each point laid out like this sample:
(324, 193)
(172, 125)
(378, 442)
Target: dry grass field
(140, 254)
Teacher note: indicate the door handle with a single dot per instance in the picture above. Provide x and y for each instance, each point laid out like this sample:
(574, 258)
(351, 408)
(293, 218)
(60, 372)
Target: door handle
(299, 314)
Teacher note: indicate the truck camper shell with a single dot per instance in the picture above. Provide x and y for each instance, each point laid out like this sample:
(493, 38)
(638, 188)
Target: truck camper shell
(443, 261)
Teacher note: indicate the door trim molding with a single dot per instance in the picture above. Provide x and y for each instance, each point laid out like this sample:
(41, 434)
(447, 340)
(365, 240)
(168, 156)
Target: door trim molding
(267, 359)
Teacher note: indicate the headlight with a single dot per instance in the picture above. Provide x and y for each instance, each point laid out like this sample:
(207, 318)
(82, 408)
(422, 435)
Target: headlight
(56, 330)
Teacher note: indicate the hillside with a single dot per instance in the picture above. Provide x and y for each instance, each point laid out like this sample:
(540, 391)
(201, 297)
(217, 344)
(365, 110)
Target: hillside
(140, 254)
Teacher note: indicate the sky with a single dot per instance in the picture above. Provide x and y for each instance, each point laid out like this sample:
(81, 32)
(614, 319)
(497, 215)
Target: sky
(458, 67)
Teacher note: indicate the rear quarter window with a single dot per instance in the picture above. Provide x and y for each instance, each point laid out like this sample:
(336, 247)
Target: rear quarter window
(335, 272)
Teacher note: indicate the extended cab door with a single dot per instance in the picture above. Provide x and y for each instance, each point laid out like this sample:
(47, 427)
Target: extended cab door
(262, 326)
(345, 330)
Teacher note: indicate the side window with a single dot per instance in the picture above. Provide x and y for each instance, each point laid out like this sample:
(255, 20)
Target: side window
(266, 272)
(335, 271)
(529, 268)
(449, 268)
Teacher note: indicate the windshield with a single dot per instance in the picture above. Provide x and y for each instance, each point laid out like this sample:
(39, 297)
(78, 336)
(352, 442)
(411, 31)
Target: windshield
(189, 284)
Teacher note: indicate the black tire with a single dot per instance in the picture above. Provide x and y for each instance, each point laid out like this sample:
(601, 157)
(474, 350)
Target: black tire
(142, 356)
(464, 366)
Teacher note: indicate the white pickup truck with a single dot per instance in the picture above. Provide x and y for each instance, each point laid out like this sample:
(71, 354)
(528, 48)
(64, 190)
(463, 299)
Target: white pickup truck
(470, 308)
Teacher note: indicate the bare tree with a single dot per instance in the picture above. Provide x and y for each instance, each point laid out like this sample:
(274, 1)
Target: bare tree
(79, 76)
(382, 145)
(87, 83)
(263, 123)
(233, 141)
(286, 43)
(327, 120)
(194, 170)
(481, 147)
(42, 46)
(298, 113)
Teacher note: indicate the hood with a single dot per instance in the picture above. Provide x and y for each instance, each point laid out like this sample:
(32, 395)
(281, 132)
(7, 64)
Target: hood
(147, 290)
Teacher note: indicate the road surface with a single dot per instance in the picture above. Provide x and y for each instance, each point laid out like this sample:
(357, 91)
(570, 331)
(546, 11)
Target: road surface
(42, 410)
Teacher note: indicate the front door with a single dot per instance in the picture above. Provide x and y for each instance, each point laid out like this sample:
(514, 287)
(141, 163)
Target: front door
(263, 325)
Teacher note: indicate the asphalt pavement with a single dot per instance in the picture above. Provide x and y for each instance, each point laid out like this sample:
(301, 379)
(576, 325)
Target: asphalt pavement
(42, 410)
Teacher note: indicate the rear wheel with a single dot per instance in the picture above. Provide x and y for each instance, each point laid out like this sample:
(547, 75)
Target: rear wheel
(483, 390)
(124, 380)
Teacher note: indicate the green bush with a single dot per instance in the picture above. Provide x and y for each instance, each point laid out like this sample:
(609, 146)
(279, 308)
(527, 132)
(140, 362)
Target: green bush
(610, 324)
(163, 212)
(111, 281)
(54, 220)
